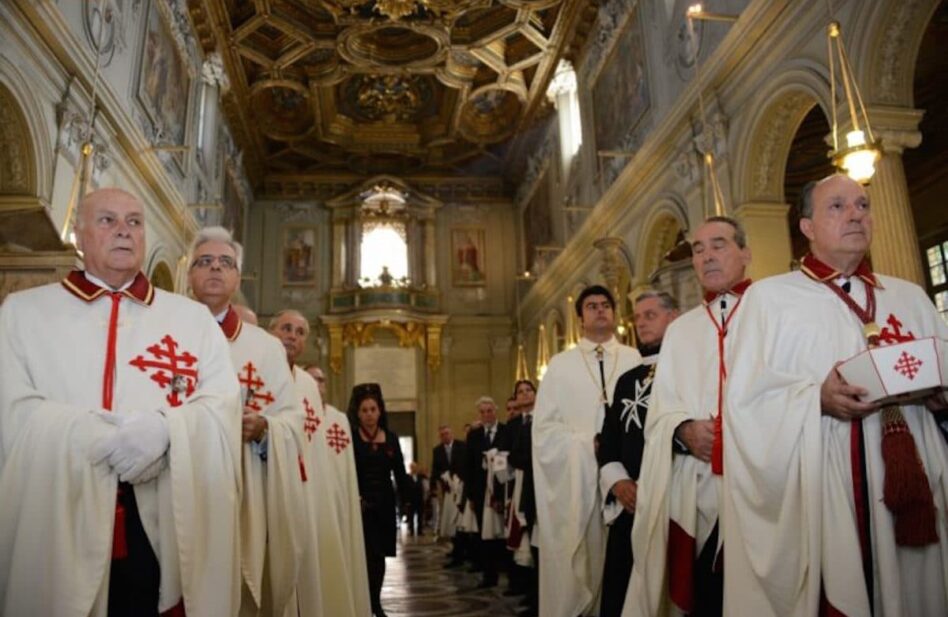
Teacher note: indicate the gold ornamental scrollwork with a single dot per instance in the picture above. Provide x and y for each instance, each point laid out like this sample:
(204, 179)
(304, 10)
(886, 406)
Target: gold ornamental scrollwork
(362, 334)
(410, 333)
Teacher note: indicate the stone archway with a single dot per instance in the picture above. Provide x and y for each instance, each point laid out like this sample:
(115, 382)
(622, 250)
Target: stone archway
(658, 235)
(161, 277)
(762, 155)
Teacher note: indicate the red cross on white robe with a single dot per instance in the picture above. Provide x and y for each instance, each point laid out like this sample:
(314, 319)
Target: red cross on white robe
(337, 438)
(172, 369)
(312, 421)
(250, 379)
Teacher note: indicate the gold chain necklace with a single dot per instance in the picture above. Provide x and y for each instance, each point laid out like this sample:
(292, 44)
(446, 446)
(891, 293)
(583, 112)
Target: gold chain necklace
(601, 387)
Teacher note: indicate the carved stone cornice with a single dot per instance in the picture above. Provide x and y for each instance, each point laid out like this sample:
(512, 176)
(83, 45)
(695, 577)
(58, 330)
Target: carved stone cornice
(324, 187)
(896, 127)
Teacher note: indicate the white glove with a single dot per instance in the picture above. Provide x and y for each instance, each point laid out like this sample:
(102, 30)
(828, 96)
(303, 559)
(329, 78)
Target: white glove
(149, 473)
(140, 442)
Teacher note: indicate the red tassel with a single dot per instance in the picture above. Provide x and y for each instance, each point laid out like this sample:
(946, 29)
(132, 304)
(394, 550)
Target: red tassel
(905, 490)
(176, 611)
(717, 447)
(302, 468)
(119, 544)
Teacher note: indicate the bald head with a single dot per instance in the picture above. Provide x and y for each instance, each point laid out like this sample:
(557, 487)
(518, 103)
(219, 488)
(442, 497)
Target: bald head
(246, 314)
(110, 230)
(320, 377)
(292, 328)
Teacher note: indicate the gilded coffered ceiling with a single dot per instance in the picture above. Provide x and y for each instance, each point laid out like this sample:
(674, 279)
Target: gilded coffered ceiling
(322, 90)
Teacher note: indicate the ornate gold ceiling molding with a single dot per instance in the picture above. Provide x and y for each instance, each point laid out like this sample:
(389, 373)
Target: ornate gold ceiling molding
(405, 45)
(487, 58)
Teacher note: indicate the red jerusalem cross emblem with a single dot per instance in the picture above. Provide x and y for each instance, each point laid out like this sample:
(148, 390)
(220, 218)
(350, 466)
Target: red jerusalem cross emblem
(174, 370)
(250, 379)
(908, 365)
(312, 421)
(337, 438)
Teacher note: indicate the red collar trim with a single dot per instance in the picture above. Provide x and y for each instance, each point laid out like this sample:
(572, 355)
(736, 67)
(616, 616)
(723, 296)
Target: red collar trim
(819, 271)
(232, 324)
(141, 290)
(738, 290)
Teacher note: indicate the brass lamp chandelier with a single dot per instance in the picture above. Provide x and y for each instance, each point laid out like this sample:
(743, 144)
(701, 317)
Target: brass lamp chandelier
(858, 158)
(696, 11)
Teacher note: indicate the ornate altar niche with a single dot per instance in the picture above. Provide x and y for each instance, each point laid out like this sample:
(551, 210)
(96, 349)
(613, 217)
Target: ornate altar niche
(31, 252)
(376, 286)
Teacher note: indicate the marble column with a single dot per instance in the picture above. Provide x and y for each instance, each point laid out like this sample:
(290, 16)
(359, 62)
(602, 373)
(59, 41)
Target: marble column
(338, 252)
(768, 237)
(431, 274)
(895, 242)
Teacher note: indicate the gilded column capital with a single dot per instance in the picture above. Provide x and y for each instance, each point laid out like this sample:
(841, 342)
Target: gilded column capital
(896, 128)
(336, 346)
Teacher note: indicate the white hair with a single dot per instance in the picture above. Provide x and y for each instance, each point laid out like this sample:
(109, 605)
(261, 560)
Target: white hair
(217, 234)
(485, 399)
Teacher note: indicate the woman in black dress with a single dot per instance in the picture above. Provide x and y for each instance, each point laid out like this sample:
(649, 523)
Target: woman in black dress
(377, 457)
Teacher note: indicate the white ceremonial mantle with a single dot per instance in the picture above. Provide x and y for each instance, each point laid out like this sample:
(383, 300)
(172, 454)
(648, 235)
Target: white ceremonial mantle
(788, 484)
(58, 509)
(566, 419)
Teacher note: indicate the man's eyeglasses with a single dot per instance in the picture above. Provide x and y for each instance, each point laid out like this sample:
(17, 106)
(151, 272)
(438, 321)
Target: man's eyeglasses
(226, 262)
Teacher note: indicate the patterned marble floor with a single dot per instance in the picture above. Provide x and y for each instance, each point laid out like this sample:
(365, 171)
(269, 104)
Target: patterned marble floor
(417, 585)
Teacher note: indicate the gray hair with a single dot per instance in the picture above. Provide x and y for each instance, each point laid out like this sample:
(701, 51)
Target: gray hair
(805, 203)
(740, 236)
(485, 399)
(665, 299)
(217, 234)
(294, 312)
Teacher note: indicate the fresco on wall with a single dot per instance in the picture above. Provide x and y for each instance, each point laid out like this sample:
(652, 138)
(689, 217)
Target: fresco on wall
(164, 84)
(299, 255)
(537, 224)
(467, 257)
(620, 96)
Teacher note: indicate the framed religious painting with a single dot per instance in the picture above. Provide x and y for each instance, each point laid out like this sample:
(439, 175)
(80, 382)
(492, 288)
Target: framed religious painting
(620, 93)
(468, 254)
(298, 255)
(164, 83)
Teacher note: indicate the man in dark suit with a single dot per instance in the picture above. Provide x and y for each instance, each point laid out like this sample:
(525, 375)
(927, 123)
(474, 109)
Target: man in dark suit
(621, 444)
(449, 456)
(521, 458)
(491, 434)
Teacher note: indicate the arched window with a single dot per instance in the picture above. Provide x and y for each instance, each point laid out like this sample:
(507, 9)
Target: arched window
(384, 250)
(383, 253)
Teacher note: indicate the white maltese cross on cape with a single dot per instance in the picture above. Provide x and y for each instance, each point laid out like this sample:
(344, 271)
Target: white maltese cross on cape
(631, 407)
